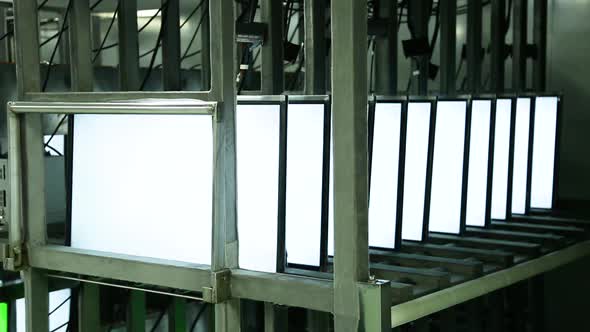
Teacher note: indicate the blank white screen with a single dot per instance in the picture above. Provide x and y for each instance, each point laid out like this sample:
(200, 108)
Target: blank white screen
(479, 145)
(544, 141)
(447, 167)
(417, 135)
(305, 159)
(384, 175)
(521, 155)
(501, 158)
(257, 143)
(142, 185)
(56, 319)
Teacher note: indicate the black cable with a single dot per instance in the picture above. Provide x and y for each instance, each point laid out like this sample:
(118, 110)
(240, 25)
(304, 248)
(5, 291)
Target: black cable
(151, 18)
(190, 44)
(9, 33)
(60, 123)
(154, 54)
(56, 46)
(191, 14)
(143, 55)
(157, 323)
(459, 68)
(40, 6)
(69, 297)
(297, 71)
(45, 42)
(95, 4)
(191, 54)
(105, 47)
(59, 154)
(106, 36)
(199, 314)
(59, 327)
(436, 31)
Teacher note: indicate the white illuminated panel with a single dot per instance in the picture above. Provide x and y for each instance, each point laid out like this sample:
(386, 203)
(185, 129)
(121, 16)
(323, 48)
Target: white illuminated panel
(58, 317)
(544, 141)
(384, 175)
(257, 142)
(447, 167)
(521, 155)
(477, 183)
(417, 135)
(501, 158)
(305, 159)
(142, 185)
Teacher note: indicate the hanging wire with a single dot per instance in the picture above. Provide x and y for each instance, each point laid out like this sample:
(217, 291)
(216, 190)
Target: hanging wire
(196, 320)
(106, 36)
(53, 53)
(190, 44)
(155, 52)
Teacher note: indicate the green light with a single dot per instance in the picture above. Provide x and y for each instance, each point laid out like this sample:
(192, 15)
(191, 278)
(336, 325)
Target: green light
(3, 317)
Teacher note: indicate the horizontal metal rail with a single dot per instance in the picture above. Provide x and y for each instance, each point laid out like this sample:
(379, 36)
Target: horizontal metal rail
(93, 97)
(429, 304)
(289, 290)
(151, 271)
(135, 107)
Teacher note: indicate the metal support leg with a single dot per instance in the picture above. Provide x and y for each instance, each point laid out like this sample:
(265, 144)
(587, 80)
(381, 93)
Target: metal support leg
(136, 312)
(418, 14)
(3, 30)
(171, 45)
(28, 80)
(177, 315)
(275, 318)
(448, 44)
(272, 77)
(498, 43)
(318, 321)
(128, 46)
(349, 87)
(376, 306)
(474, 32)
(519, 44)
(386, 51)
(315, 47)
(225, 230)
(89, 308)
(540, 40)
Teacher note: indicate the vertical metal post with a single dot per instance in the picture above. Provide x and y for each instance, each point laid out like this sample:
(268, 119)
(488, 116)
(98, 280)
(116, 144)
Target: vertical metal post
(128, 46)
(272, 78)
(3, 30)
(171, 45)
(96, 38)
(386, 51)
(448, 44)
(474, 32)
(205, 49)
(177, 315)
(89, 308)
(540, 40)
(136, 312)
(418, 15)
(519, 44)
(225, 230)
(349, 107)
(498, 44)
(315, 47)
(82, 80)
(28, 76)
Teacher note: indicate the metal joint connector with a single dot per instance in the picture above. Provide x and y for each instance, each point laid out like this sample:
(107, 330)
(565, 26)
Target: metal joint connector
(220, 287)
(12, 257)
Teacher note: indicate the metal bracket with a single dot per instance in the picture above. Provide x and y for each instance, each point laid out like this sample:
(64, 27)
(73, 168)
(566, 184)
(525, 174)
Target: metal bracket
(220, 287)
(12, 257)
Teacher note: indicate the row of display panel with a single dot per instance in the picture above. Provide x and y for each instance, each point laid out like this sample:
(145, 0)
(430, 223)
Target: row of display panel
(142, 184)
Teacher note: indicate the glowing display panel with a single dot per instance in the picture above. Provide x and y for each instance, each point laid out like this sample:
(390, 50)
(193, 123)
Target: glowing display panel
(59, 316)
(521, 155)
(384, 175)
(305, 159)
(447, 167)
(544, 143)
(142, 185)
(479, 147)
(257, 144)
(501, 158)
(417, 136)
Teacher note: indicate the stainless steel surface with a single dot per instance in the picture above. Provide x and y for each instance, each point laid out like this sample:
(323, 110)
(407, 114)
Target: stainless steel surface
(145, 107)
